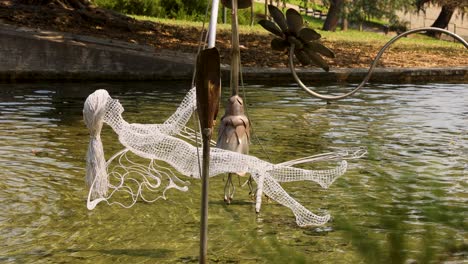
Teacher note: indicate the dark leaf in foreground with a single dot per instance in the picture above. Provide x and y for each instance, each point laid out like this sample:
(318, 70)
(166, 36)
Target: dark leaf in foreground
(319, 48)
(308, 34)
(294, 21)
(271, 27)
(278, 16)
(279, 44)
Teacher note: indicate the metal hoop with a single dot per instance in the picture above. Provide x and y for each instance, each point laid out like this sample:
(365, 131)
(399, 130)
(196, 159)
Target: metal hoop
(373, 65)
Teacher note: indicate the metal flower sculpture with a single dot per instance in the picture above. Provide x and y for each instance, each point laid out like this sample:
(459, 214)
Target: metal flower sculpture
(291, 33)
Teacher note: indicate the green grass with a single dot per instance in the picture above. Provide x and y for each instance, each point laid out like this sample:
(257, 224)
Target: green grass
(365, 36)
(310, 5)
(351, 36)
(243, 29)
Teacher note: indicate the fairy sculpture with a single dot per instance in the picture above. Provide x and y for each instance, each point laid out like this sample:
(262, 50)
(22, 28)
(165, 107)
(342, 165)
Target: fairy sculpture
(168, 142)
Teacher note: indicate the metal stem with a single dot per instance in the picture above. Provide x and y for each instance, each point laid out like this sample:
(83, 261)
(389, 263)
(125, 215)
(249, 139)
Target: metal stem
(373, 65)
(206, 137)
(235, 51)
(213, 22)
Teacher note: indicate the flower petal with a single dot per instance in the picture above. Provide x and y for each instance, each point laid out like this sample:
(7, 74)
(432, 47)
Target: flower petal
(316, 59)
(294, 20)
(278, 16)
(319, 48)
(308, 34)
(270, 26)
(297, 43)
(279, 44)
(302, 56)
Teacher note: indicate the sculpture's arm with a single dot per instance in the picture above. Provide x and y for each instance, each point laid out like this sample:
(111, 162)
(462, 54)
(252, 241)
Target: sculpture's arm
(177, 121)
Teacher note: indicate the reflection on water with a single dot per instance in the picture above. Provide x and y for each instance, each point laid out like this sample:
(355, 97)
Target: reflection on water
(406, 201)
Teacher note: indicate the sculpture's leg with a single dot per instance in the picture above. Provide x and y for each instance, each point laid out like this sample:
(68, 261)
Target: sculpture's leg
(229, 189)
(272, 189)
(323, 177)
(251, 189)
(259, 192)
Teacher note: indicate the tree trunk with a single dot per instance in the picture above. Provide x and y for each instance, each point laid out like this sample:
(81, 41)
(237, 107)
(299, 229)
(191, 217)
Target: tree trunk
(252, 15)
(333, 15)
(344, 22)
(223, 14)
(442, 20)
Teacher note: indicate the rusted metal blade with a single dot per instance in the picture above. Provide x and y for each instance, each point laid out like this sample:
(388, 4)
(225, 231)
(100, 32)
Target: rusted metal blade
(208, 83)
(272, 27)
(278, 16)
(302, 56)
(279, 44)
(319, 48)
(316, 59)
(294, 21)
(308, 34)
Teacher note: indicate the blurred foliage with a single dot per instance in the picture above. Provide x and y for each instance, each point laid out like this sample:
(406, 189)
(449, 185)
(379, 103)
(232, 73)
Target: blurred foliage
(189, 10)
(366, 9)
(392, 234)
(179, 9)
(462, 5)
(184, 9)
(133, 7)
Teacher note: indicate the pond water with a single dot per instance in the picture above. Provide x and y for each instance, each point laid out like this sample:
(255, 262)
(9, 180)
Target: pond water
(405, 202)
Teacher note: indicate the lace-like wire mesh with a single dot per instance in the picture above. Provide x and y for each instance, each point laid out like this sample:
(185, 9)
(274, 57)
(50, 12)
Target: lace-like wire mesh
(169, 142)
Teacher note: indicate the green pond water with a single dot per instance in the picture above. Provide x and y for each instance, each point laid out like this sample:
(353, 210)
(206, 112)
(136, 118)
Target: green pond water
(405, 202)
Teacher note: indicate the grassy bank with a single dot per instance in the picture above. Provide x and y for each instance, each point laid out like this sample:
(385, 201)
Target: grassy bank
(416, 41)
(353, 49)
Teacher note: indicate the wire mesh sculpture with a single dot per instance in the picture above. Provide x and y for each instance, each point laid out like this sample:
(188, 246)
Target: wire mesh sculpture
(169, 142)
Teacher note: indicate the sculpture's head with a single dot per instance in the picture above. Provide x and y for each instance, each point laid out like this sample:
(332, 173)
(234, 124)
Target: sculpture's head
(235, 106)
(94, 109)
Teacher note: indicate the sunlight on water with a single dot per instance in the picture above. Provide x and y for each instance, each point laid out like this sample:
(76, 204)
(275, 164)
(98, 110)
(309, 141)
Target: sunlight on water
(406, 201)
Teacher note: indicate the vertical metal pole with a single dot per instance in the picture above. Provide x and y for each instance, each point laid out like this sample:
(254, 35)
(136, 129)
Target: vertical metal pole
(235, 51)
(206, 135)
(213, 22)
(208, 89)
(205, 87)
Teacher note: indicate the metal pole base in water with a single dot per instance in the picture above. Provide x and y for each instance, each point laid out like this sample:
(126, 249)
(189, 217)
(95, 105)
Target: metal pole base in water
(206, 134)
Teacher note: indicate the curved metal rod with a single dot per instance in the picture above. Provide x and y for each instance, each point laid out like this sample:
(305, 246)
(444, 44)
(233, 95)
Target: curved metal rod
(373, 65)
